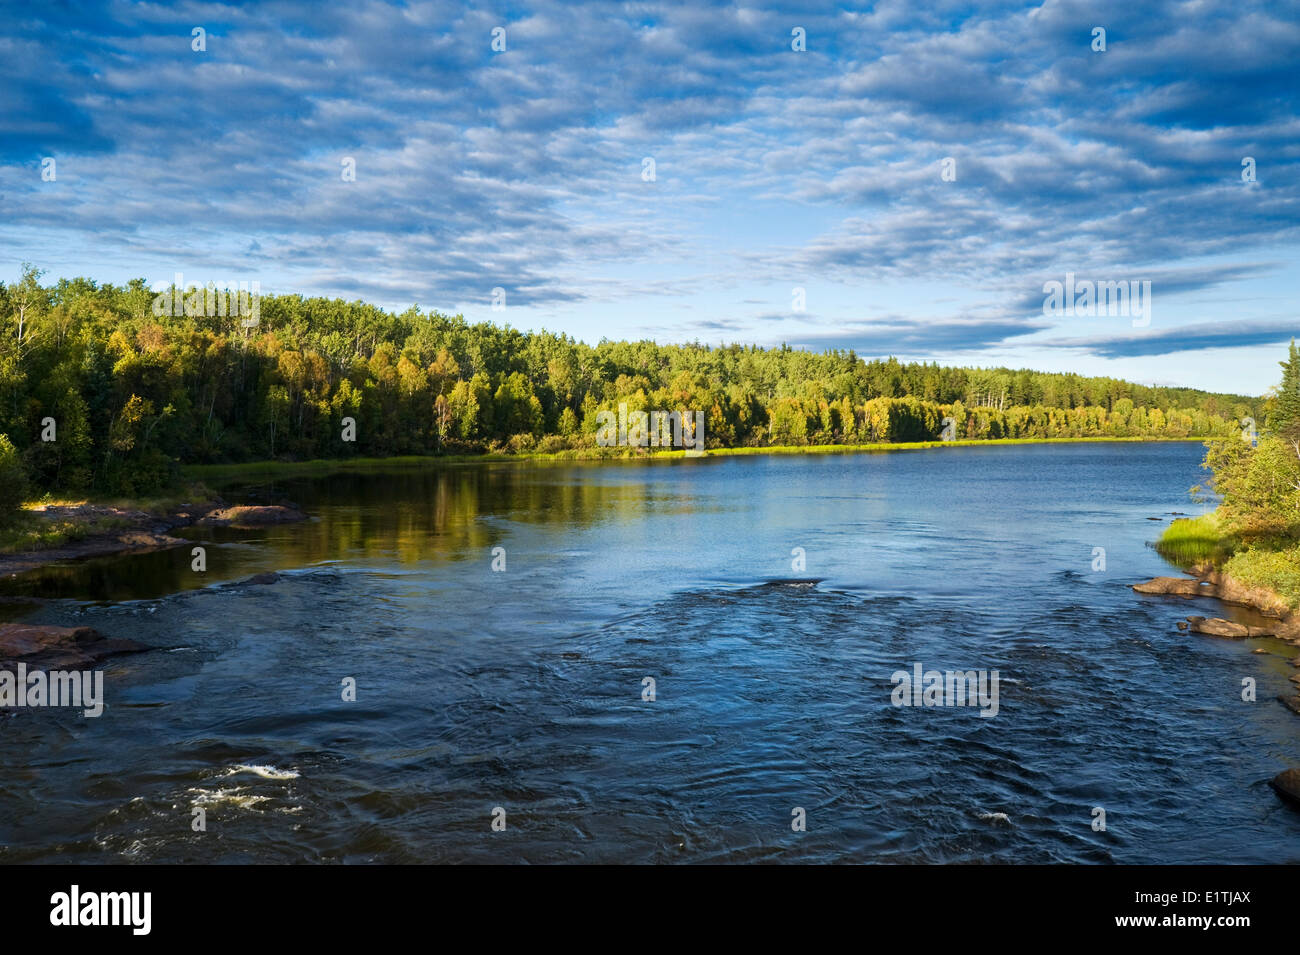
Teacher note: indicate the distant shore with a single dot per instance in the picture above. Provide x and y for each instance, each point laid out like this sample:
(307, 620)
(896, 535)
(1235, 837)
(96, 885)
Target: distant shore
(267, 470)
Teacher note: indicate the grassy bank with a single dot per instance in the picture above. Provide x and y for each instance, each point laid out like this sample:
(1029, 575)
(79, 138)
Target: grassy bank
(1269, 563)
(52, 523)
(279, 470)
(923, 445)
(31, 531)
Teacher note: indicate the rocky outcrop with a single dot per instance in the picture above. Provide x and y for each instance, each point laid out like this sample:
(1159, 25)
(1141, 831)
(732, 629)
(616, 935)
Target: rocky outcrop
(1174, 587)
(60, 648)
(1287, 785)
(1212, 583)
(115, 530)
(1218, 627)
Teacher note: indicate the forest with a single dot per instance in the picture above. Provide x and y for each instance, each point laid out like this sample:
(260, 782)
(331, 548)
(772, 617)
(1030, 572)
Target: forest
(102, 391)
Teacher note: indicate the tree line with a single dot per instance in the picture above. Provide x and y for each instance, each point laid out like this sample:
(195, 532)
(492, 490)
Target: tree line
(102, 391)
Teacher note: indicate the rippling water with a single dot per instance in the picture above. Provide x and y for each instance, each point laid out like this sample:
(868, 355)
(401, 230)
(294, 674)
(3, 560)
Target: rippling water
(522, 689)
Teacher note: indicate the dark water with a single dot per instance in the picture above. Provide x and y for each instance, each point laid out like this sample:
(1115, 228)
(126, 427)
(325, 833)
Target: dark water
(522, 689)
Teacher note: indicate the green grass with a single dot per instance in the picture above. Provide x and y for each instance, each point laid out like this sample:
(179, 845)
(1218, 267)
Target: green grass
(31, 532)
(1268, 563)
(162, 503)
(36, 530)
(1190, 541)
(885, 446)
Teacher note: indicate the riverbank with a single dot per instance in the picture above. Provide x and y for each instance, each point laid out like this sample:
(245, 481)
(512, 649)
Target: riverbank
(1263, 576)
(1268, 568)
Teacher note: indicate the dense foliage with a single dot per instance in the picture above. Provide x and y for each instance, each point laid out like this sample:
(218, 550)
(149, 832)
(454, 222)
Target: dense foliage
(131, 394)
(1254, 534)
(1259, 480)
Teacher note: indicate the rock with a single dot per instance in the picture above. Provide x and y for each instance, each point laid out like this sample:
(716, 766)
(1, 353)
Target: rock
(1259, 650)
(18, 640)
(61, 647)
(1287, 785)
(1176, 586)
(1216, 627)
(268, 578)
(1182, 624)
(256, 515)
(1292, 703)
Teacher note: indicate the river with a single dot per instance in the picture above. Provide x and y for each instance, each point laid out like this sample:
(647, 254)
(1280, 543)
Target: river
(769, 598)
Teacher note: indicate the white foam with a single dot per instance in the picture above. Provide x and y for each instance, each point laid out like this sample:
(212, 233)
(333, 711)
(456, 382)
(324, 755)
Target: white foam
(266, 772)
(234, 796)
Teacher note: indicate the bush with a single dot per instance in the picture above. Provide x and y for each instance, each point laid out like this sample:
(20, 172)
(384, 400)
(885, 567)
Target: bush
(521, 443)
(553, 444)
(13, 481)
(1276, 570)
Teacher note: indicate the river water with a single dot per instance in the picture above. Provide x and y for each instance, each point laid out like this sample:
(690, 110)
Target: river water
(518, 694)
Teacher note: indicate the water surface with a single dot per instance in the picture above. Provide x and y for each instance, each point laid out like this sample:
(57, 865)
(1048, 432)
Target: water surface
(522, 689)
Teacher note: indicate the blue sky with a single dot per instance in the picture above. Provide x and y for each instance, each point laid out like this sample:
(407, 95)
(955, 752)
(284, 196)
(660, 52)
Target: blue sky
(775, 169)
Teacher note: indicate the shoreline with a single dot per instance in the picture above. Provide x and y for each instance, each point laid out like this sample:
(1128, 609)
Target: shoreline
(1209, 578)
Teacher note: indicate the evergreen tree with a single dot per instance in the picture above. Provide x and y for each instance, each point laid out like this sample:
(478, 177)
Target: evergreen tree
(1287, 416)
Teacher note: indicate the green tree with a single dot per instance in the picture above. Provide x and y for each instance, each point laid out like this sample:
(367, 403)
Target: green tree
(13, 481)
(1287, 416)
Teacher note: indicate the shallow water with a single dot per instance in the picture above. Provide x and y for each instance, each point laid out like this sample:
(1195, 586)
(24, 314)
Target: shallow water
(522, 689)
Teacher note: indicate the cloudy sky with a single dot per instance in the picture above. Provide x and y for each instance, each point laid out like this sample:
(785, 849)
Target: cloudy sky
(774, 169)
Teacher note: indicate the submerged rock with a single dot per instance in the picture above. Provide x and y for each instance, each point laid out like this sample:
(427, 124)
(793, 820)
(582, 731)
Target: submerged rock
(1287, 785)
(253, 515)
(60, 647)
(1176, 586)
(1218, 627)
(1292, 703)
